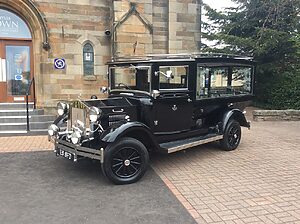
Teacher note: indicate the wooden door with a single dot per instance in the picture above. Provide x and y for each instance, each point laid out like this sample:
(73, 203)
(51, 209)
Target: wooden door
(16, 70)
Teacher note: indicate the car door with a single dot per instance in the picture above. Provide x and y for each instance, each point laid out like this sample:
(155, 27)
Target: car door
(173, 107)
(173, 113)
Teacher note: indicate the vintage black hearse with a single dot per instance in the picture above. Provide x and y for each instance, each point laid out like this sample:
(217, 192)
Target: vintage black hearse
(160, 103)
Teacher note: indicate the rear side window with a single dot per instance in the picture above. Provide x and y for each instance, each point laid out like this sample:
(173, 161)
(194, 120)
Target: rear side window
(241, 80)
(213, 82)
(219, 82)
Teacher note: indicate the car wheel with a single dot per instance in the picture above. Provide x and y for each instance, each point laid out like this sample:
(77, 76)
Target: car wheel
(125, 161)
(232, 136)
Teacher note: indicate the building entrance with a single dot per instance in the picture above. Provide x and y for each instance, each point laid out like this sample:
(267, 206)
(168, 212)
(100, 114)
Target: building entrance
(16, 64)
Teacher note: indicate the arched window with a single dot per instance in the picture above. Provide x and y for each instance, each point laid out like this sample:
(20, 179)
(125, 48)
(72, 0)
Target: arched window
(88, 59)
(12, 26)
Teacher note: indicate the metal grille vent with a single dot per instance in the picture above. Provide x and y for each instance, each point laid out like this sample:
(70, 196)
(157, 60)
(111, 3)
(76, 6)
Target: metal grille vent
(113, 119)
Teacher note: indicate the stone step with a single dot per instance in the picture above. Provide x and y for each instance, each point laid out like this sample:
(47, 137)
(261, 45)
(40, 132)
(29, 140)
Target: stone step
(23, 126)
(23, 119)
(20, 112)
(15, 106)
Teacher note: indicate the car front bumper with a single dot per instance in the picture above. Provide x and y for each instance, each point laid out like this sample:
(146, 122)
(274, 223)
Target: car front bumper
(72, 152)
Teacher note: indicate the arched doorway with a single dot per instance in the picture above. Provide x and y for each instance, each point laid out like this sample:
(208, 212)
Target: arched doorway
(16, 57)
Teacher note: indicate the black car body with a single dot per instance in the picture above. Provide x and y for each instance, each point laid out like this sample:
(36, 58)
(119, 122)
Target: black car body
(162, 103)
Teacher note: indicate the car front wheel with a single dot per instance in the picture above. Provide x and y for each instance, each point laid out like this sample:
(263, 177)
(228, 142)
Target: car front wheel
(125, 161)
(232, 136)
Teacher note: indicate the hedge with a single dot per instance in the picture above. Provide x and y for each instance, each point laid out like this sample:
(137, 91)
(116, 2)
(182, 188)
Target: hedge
(277, 90)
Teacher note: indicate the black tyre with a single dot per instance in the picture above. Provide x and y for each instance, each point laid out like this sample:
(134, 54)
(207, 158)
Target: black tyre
(125, 161)
(232, 136)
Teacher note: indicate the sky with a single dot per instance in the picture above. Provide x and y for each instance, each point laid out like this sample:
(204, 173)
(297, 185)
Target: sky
(219, 5)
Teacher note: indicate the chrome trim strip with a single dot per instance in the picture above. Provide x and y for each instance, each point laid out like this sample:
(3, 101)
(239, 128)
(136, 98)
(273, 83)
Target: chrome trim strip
(200, 142)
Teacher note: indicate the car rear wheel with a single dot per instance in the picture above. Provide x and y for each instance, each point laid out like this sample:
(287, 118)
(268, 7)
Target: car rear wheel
(125, 161)
(232, 136)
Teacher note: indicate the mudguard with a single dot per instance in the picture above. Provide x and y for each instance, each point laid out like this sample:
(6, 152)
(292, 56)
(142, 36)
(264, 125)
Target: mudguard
(237, 115)
(121, 129)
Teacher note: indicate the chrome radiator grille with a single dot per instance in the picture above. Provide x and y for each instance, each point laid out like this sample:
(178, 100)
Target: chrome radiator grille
(80, 115)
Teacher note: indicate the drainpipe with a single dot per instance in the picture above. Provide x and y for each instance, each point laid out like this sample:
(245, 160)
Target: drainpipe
(168, 33)
(113, 48)
(200, 28)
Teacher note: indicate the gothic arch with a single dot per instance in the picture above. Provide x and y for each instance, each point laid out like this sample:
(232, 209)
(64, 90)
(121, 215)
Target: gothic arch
(32, 16)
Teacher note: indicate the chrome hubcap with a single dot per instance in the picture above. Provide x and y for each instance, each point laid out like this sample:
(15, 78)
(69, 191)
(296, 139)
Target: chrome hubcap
(127, 162)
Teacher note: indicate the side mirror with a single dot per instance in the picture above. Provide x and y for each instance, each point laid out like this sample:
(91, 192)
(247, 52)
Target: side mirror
(155, 94)
(103, 89)
(169, 74)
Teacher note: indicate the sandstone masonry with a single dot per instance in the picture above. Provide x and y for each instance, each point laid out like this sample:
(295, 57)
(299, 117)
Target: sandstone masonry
(136, 28)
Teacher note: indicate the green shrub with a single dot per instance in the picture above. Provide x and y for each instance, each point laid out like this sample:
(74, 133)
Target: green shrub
(277, 90)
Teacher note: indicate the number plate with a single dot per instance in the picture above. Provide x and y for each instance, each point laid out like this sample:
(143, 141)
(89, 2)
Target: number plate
(65, 154)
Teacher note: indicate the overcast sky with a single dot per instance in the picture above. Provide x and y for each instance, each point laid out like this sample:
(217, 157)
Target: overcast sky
(219, 4)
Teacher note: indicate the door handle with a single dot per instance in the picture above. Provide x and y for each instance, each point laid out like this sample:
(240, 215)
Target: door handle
(189, 100)
(118, 111)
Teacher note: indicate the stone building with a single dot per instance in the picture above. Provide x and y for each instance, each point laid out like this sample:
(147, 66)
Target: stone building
(65, 44)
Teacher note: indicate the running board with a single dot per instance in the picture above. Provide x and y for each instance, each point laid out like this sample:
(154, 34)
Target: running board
(179, 145)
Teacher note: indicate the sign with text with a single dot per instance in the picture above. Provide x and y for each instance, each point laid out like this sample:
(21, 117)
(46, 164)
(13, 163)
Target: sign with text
(12, 26)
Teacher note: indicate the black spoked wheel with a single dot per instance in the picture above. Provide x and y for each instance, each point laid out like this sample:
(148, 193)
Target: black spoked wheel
(125, 161)
(232, 136)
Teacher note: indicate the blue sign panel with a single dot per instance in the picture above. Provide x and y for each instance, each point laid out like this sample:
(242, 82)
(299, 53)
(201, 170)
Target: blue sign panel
(59, 63)
(18, 77)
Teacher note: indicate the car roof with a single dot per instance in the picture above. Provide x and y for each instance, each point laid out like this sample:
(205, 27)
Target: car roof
(198, 57)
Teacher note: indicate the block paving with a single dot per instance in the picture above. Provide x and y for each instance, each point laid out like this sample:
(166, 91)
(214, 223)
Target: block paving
(24, 144)
(257, 183)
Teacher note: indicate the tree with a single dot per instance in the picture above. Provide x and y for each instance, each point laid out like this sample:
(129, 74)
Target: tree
(268, 30)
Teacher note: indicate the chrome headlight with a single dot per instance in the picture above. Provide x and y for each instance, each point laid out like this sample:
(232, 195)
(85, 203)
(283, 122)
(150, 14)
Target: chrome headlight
(62, 108)
(94, 114)
(53, 130)
(75, 137)
(78, 130)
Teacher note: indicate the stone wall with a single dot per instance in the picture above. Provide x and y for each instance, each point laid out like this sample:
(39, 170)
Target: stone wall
(71, 24)
(174, 27)
(184, 26)
(165, 26)
(156, 26)
(132, 36)
(276, 115)
(160, 13)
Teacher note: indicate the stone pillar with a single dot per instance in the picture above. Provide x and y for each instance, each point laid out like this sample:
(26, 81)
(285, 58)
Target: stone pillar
(184, 26)
(160, 14)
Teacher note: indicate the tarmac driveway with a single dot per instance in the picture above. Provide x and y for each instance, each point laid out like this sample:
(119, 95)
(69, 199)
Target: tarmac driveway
(37, 187)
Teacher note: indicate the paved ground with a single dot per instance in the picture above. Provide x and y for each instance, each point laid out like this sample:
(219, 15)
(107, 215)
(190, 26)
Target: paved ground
(37, 187)
(24, 144)
(257, 183)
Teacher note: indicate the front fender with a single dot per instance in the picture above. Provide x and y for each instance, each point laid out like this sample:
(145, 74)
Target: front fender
(121, 129)
(237, 115)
